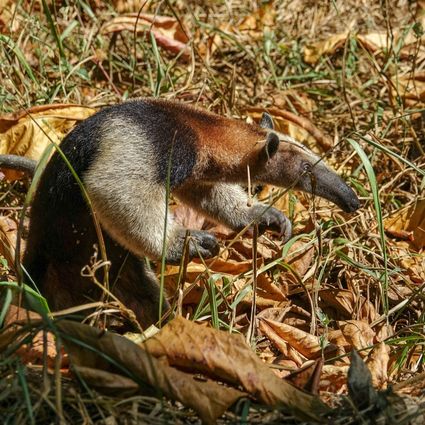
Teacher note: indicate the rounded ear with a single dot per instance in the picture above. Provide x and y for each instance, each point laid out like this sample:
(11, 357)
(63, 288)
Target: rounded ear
(271, 146)
(266, 121)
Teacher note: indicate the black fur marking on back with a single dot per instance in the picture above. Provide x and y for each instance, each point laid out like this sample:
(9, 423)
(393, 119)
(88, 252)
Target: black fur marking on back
(169, 134)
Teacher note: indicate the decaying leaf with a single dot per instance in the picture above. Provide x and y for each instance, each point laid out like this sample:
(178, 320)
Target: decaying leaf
(410, 89)
(39, 348)
(256, 23)
(8, 234)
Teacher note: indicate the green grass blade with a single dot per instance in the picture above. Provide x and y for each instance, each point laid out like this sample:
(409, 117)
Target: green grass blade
(375, 194)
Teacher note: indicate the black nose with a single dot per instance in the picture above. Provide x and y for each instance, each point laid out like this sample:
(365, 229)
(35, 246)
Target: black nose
(352, 203)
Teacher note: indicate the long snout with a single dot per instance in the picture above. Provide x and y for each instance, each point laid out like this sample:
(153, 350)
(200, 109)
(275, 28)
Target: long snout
(325, 183)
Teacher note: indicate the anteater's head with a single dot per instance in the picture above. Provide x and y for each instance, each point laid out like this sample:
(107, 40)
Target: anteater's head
(287, 163)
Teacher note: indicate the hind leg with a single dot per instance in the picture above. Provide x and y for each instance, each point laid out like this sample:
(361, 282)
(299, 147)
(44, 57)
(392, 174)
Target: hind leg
(138, 289)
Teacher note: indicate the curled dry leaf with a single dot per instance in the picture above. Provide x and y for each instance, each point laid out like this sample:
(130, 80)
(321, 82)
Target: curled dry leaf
(337, 338)
(377, 362)
(167, 31)
(357, 333)
(188, 217)
(306, 344)
(227, 357)
(208, 398)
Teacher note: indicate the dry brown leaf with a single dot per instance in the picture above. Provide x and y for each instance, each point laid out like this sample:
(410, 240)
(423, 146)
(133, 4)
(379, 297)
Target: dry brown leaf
(377, 362)
(227, 357)
(410, 88)
(307, 344)
(188, 217)
(167, 31)
(347, 304)
(287, 351)
(28, 133)
(334, 379)
(254, 25)
(7, 13)
(409, 223)
(107, 382)
(244, 247)
(357, 333)
(41, 346)
(266, 284)
(8, 233)
(214, 41)
(208, 398)
(374, 42)
(383, 331)
(300, 257)
(337, 338)
(308, 376)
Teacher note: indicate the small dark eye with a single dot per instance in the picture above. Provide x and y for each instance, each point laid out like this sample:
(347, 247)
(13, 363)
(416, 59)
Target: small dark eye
(306, 167)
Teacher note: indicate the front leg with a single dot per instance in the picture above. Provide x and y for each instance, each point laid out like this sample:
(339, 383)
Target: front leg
(200, 244)
(227, 204)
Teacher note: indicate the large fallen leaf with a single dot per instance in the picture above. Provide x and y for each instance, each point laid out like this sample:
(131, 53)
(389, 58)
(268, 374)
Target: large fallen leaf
(29, 132)
(167, 31)
(107, 382)
(92, 348)
(227, 357)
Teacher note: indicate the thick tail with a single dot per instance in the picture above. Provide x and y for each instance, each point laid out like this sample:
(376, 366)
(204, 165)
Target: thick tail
(20, 163)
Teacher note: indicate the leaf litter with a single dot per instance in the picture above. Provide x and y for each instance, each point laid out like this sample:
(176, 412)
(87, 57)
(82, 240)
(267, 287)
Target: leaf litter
(319, 298)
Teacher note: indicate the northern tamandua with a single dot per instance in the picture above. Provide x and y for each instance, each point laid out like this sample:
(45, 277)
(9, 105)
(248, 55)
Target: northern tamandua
(126, 155)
